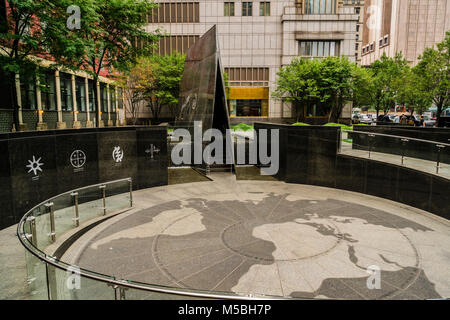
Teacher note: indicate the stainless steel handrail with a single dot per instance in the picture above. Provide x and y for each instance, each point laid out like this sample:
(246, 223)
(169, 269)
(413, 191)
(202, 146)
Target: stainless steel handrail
(399, 137)
(114, 282)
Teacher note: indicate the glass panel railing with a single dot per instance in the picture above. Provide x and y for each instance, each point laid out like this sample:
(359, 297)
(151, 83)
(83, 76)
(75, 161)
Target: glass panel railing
(49, 278)
(428, 156)
(36, 277)
(68, 284)
(41, 215)
(118, 196)
(64, 212)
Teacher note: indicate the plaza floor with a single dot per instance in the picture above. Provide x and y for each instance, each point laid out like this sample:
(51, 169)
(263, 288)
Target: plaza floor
(272, 238)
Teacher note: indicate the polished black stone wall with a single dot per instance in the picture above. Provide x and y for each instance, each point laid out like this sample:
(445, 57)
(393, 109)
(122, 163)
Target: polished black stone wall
(68, 159)
(152, 157)
(311, 157)
(411, 148)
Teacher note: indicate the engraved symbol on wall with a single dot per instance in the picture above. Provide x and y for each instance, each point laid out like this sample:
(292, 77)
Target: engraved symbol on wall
(152, 150)
(78, 159)
(34, 165)
(117, 154)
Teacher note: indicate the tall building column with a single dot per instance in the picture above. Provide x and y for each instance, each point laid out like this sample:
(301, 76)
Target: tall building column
(89, 123)
(60, 124)
(110, 123)
(99, 106)
(22, 126)
(41, 125)
(76, 123)
(116, 107)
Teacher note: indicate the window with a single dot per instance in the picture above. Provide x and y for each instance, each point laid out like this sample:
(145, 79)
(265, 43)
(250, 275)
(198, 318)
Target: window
(104, 97)
(119, 96)
(179, 43)
(248, 108)
(5, 90)
(386, 40)
(80, 89)
(112, 94)
(228, 9)
(264, 8)
(175, 12)
(66, 91)
(3, 15)
(91, 95)
(247, 9)
(28, 91)
(357, 10)
(320, 6)
(248, 77)
(356, 46)
(319, 48)
(48, 96)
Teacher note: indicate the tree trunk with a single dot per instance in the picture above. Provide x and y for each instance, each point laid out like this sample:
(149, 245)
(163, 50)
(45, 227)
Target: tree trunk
(14, 102)
(438, 112)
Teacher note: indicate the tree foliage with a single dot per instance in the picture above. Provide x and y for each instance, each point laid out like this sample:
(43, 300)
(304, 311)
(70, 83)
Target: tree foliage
(155, 81)
(326, 82)
(433, 74)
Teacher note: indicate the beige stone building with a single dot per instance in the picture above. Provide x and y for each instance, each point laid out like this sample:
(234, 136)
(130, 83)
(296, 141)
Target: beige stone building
(257, 38)
(406, 26)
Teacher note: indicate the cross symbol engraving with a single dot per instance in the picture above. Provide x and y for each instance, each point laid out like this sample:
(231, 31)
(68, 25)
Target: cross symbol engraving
(152, 150)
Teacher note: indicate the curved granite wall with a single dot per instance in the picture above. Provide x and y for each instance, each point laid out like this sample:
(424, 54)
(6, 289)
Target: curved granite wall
(35, 166)
(309, 155)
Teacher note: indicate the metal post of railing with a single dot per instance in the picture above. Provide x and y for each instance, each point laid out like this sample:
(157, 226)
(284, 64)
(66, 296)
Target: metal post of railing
(77, 213)
(403, 149)
(439, 146)
(32, 221)
(131, 191)
(370, 142)
(103, 188)
(52, 234)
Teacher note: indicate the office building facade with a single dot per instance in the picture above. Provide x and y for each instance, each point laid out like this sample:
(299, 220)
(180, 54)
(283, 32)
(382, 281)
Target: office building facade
(256, 39)
(403, 26)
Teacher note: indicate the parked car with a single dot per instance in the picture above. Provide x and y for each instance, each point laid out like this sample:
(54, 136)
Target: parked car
(385, 118)
(364, 118)
(355, 118)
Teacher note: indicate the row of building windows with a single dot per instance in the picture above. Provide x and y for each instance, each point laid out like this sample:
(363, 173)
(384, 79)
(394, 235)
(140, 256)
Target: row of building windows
(189, 12)
(371, 47)
(247, 9)
(47, 88)
(175, 12)
(319, 48)
(320, 6)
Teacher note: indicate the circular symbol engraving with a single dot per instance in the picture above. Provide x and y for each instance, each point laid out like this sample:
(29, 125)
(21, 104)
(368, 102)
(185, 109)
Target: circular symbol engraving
(77, 159)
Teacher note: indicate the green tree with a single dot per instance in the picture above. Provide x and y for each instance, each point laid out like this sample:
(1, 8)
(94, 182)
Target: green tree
(337, 84)
(326, 83)
(155, 80)
(363, 87)
(118, 38)
(387, 73)
(411, 95)
(433, 73)
(38, 28)
(299, 84)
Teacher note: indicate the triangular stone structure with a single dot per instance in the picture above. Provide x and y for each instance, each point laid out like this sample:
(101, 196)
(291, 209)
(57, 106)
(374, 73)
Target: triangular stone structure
(202, 93)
